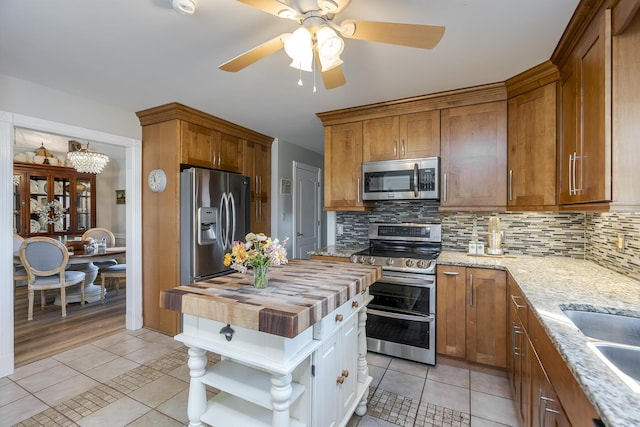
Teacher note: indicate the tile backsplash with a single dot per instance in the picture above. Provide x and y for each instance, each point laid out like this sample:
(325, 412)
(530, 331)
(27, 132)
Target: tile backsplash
(591, 236)
(602, 231)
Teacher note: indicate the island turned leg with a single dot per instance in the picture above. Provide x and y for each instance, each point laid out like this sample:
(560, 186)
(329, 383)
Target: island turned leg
(281, 391)
(197, 403)
(363, 368)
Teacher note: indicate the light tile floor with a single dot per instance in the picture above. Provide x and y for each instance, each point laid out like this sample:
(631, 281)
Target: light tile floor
(140, 378)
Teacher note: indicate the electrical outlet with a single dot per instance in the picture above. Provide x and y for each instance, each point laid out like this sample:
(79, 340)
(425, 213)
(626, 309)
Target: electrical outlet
(621, 243)
(339, 229)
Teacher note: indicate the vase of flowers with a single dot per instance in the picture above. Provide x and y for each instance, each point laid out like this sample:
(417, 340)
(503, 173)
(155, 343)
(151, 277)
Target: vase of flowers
(258, 252)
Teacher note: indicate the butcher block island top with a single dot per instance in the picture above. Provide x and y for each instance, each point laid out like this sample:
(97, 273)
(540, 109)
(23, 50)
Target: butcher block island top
(300, 294)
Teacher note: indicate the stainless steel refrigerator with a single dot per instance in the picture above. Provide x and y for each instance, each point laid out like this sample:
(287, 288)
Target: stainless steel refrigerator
(214, 211)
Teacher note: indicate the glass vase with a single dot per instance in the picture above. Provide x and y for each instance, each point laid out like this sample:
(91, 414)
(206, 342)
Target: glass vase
(260, 276)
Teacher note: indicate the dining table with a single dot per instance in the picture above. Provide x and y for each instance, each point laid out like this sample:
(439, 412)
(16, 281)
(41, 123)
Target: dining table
(83, 260)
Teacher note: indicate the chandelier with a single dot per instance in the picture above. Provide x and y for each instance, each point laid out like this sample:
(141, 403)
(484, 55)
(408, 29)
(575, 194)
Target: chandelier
(86, 160)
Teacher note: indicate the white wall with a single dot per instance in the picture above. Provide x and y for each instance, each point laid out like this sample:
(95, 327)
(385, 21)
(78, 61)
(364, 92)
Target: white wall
(283, 155)
(22, 97)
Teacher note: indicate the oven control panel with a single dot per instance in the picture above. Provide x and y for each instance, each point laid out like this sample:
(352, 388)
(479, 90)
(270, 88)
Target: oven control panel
(397, 264)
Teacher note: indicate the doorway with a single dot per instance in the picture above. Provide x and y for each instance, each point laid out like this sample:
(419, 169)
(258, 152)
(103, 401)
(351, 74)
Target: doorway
(133, 166)
(306, 208)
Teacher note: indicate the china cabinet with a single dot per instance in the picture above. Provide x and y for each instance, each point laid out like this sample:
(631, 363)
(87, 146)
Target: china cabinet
(256, 162)
(52, 200)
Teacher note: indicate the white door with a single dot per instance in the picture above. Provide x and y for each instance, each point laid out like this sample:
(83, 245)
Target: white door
(306, 209)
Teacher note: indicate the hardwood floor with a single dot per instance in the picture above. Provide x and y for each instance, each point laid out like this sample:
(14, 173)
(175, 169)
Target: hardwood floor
(49, 333)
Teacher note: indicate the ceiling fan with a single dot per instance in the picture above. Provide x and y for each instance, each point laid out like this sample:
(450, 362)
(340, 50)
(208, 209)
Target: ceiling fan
(318, 36)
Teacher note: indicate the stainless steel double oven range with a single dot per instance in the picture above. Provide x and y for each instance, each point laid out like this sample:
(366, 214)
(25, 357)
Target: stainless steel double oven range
(401, 319)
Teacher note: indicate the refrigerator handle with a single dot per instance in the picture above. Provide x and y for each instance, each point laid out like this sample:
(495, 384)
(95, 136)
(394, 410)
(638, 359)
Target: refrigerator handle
(233, 219)
(223, 220)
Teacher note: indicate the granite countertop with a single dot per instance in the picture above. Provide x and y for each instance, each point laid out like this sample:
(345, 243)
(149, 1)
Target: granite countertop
(299, 295)
(343, 251)
(551, 282)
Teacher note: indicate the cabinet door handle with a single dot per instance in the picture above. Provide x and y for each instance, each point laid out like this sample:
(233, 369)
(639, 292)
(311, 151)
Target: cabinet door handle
(415, 179)
(345, 373)
(575, 183)
(358, 190)
(444, 189)
(355, 304)
(510, 184)
(395, 148)
(515, 303)
(214, 158)
(471, 290)
(340, 379)
(450, 273)
(339, 317)
(255, 188)
(402, 152)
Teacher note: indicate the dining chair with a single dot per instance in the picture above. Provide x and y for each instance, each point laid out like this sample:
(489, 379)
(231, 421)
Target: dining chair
(45, 260)
(19, 273)
(98, 234)
(117, 272)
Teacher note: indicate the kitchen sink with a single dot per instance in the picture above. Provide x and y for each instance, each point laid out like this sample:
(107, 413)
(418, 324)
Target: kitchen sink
(623, 357)
(607, 327)
(615, 339)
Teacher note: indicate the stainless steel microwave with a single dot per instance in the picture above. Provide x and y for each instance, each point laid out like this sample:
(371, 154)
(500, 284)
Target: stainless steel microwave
(407, 179)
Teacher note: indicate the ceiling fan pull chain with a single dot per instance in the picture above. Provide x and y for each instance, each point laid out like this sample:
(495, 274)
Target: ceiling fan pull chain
(299, 77)
(313, 66)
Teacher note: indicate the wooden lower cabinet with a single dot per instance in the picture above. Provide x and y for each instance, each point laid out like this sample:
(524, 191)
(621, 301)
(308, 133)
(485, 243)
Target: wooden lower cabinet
(544, 404)
(472, 316)
(545, 391)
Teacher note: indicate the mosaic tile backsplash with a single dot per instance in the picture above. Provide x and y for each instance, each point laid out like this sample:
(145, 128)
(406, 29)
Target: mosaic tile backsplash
(591, 236)
(525, 233)
(602, 231)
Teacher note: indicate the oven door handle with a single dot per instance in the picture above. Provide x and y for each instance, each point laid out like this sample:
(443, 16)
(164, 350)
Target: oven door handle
(426, 283)
(424, 318)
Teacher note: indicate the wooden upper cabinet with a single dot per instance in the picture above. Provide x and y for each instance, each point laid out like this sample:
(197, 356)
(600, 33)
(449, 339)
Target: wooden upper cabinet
(531, 153)
(208, 148)
(343, 167)
(474, 157)
(402, 137)
(585, 143)
(227, 153)
(256, 164)
(196, 144)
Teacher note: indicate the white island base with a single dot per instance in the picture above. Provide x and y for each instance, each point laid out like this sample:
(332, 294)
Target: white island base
(318, 378)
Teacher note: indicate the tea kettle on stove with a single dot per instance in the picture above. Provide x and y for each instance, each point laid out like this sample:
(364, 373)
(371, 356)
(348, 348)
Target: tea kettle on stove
(494, 244)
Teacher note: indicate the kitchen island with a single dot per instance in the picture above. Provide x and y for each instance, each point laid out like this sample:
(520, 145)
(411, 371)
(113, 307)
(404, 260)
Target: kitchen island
(293, 354)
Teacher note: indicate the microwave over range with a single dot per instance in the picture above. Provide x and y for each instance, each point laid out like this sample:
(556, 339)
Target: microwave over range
(401, 179)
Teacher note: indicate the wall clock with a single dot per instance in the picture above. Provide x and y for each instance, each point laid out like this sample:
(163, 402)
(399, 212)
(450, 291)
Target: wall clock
(157, 180)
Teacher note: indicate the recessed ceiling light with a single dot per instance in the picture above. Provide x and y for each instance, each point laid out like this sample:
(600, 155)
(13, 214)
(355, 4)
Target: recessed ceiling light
(185, 7)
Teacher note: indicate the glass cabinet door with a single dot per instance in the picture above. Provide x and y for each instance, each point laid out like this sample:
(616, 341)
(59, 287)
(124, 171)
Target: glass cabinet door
(83, 203)
(18, 202)
(61, 214)
(39, 197)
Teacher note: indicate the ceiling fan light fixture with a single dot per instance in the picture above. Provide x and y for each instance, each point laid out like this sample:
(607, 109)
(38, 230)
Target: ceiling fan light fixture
(298, 48)
(330, 45)
(185, 7)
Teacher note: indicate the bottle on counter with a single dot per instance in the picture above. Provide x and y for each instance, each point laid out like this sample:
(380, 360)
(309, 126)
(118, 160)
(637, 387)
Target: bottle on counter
(473, 243)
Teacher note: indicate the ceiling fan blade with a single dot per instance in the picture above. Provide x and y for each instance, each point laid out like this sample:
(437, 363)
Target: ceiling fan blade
(274, 7)
(333, 78)
(255, 54)
(421, 36)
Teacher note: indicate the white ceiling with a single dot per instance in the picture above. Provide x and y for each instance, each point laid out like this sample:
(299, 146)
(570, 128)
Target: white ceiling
(137, 54)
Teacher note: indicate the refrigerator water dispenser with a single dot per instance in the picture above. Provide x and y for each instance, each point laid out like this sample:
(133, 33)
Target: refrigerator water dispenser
(207, 225)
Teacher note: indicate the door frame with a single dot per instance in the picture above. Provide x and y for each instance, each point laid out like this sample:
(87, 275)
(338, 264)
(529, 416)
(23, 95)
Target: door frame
(294, 191)
(133, 167)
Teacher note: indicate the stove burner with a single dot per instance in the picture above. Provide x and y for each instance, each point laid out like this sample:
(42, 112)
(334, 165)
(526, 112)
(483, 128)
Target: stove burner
(393, 252)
